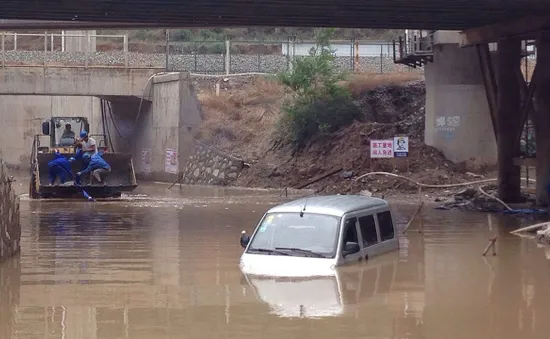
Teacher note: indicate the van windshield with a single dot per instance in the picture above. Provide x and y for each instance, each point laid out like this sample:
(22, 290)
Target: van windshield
(311, 235)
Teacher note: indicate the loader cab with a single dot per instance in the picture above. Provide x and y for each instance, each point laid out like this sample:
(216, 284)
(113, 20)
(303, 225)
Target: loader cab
(63, 132)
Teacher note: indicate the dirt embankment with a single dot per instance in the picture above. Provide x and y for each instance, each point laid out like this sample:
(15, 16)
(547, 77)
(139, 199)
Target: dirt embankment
(243, 121)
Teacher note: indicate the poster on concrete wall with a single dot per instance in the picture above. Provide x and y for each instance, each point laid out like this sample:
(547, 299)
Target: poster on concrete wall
(146, 160)
(401, 147)
(171, 161)
(381, 148)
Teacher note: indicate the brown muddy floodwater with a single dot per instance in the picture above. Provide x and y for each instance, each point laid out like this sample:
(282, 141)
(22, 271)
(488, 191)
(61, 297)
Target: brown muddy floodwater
(165, 265)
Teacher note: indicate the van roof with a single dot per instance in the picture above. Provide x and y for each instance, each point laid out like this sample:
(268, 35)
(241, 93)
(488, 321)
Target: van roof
(336, 205)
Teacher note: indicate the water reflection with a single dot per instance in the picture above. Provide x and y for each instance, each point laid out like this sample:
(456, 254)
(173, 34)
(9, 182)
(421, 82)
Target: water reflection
(349, 290)
(122, 270)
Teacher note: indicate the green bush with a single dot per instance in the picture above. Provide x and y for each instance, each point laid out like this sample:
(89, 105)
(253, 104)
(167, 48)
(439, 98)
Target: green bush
(319, 104)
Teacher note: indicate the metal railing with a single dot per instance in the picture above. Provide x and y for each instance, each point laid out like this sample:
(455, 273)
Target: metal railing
(214, 57)
(414, 43)
(12, 53)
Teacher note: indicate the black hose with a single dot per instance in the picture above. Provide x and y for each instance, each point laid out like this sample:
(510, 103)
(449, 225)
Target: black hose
(115, 126)
(108, 128)
(106, 131)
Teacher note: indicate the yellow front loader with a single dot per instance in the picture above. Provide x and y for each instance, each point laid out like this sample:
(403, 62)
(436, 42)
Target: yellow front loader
(56, 135)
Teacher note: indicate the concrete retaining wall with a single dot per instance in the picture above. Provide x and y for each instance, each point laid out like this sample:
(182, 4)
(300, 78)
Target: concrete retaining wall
(10, 228)
(165, 131)
(210, 166)
(10, 291)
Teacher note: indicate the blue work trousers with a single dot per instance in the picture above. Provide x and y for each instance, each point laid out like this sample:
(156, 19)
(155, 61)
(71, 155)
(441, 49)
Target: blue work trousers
(55, 171)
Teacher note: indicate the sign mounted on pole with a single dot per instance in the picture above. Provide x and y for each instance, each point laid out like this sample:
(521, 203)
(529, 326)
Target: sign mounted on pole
(381, 148)
(401, 147)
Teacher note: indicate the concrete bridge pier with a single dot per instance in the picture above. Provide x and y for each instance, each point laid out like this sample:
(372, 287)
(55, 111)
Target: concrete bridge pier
(477, 102)
(458, 118)
(508, 119)
(541, 116)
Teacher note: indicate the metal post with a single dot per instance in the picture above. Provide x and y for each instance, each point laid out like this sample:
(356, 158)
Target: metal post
(86, 50)
(356, 64)
(259, 62)
(352, 62)
(288, 63)
(62, 41)
(125, 49)
(167, 34)
(3, 49)
(294, 48)
(15, 41)
(381, 56)
(45, 47)
(51, 42)
(227, 56)
(195, 54)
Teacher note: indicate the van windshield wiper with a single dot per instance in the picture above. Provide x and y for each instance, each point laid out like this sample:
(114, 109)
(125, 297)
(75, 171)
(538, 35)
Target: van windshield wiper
(319, 255)
(267, 250)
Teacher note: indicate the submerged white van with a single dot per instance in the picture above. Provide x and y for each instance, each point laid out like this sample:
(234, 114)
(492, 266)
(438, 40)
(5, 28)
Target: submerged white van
(312, 236)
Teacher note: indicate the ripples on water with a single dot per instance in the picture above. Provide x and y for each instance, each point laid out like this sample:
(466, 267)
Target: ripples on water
(147, 267)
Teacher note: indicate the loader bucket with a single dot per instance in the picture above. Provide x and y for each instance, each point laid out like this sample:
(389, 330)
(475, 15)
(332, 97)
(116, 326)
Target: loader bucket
(121, 179)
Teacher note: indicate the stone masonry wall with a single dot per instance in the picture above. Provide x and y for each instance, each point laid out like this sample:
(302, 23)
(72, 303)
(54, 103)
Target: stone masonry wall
(10, 228)
(195, 63)
(209, 166)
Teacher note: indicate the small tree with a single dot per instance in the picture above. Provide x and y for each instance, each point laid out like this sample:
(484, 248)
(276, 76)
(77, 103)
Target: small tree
(319, 103)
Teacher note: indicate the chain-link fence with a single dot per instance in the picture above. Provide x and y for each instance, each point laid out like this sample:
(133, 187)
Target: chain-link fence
(238, 56)
(223, 56)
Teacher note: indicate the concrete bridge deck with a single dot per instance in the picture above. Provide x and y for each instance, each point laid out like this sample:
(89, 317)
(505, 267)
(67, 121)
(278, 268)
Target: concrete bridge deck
(406, 14)
(75, 81)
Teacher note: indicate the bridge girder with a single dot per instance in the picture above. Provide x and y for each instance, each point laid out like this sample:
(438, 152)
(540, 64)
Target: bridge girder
(406, 14)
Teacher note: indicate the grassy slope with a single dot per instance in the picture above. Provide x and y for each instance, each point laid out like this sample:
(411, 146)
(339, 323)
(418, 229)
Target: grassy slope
(243, 121)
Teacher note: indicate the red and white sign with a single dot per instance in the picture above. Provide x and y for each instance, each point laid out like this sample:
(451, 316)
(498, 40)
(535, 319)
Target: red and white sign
(381, 148)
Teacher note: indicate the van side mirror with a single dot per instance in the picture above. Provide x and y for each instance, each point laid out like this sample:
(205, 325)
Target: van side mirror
(87, 127)
(46, 128)
(351, 248)
(245, 239)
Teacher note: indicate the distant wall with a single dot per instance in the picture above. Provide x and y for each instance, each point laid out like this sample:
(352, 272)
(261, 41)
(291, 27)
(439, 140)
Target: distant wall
(210, 166)
(21, 118)
(10, 228)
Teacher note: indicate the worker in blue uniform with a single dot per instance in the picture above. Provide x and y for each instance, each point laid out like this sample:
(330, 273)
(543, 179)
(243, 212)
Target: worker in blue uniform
(59, 167)
(97, 166)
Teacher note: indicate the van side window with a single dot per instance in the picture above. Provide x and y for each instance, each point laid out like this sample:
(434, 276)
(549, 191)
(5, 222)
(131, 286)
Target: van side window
(368, 230)
(386, 226)
(350, 231)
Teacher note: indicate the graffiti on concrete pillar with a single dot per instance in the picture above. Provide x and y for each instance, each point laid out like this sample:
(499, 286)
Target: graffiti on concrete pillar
(447, 124)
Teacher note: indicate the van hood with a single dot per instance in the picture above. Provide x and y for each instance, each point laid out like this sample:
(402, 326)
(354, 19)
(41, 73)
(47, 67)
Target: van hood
(286, 266)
